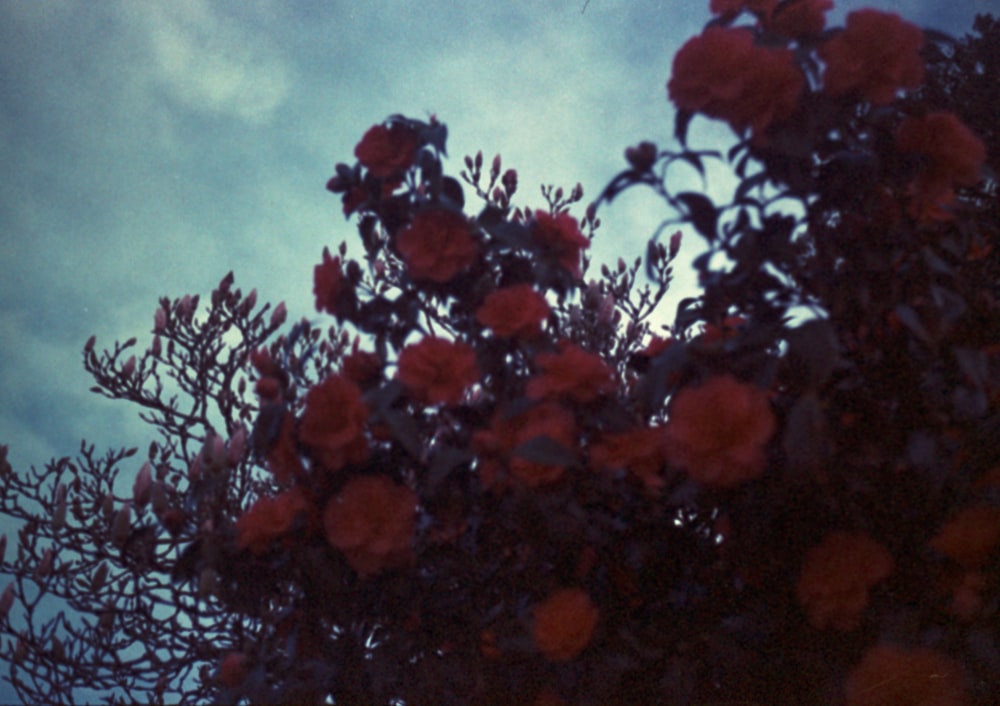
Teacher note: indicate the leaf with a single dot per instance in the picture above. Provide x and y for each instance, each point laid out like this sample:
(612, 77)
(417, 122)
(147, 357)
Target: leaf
(701, 212)
(805, 442)
(404, 430)
(445, 460)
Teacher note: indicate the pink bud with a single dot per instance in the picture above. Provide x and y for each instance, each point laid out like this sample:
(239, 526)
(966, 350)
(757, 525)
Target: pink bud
(89, 345)
(675, 244)
(157, 347)
(509, 181)
(44, 567)
(129, 367)
(251, 299)
(185, 306)
(237, 447)
(279, 315)
(108, 506)
(122, 525)
(6, 601)
(495, 169)
(159, 320)
(143, 483)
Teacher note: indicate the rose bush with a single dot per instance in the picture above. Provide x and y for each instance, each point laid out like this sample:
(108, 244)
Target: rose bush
(493, 480)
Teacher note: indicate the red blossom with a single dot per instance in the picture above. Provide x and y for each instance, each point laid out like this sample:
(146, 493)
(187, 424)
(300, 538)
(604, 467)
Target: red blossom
(640, 451)
(516, 311)
(876, 55)
(363, 368)
(438, 371)
(733, 7)
(799, 18)
(571, 372)
(836, 576)
(386, 151)
(723, 74)
(333, 424)
(564, 624)
(498, 446)
(891, 675)
(437, 245)
(268, 519)
(954, 155)
(718, 432)
(560, 237)
(329, 283)
(372, 521)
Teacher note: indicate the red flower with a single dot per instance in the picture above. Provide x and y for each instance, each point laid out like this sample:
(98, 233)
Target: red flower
(561, 238)
(724, 75)
(971, 536)
(638, 450)
(718, 431)
(571, 372)
(516, 311)
(499, 445)
(387, 150)
(333, 424)
(876, 55)
(363, 368)
(438, 371)
(329, 283)
(895, 676)
(437, 245)
(799, 18)
(835, 578)
(268, 519)
(564, 624)
(732, 7)
(372, 521)
(954, 156)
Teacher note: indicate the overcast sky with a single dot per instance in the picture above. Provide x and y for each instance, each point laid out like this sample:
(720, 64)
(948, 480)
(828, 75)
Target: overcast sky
(146, 148)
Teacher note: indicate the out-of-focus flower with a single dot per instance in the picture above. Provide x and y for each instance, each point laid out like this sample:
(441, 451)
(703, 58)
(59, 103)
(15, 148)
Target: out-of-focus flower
(640, 451)
(732, 7)
(437, 245)
(517, 311)
(560, 237)
(372, 521)
(333, 424)
(954, 157)
(363, 368)
(232, 669)
(438, 371)
(571, 372)
(723, 74)
(386, 151)
(564, 624)
(890, 675)
(270, 518)
(971, 536)
(876, 55)
(329, 283)
(498, 446)
(799, 18)
(836, 576)
(718, 431)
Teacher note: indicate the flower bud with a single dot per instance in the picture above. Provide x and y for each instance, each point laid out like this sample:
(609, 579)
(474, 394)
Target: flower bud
(59, 512)
(279, 315)
(642, 156)
(185, 306)
(158, 496)
(606, 312)
(509, 181)
(6, 601)
(251, 301)
(157, 347)
(208, 581)
(129, 367)
(159, 320)
(495, 167)
(99, 577)
(142, 485)
(89, 345)
(675, 244)
(44, 567)
(57, 648)
(108, 506)
(237, 447)
(122, 526)
(20, 650)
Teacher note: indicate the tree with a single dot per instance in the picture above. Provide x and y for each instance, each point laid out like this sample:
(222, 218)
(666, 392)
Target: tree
(491, 481)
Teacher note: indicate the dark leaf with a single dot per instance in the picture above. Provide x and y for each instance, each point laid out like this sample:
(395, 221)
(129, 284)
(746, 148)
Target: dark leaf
(701, 212)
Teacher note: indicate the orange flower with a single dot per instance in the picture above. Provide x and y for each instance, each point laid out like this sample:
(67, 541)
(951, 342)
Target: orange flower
(438, 371)
(718, 432)
(835, 578)
(269, 518)
(334, 423)
(876, 55)
(436, 245)
(502, 444)
(516, 311)
(564, 624)
(638, 450)
(971, 536)
(895, 676)
(571, 372)
(372, 521)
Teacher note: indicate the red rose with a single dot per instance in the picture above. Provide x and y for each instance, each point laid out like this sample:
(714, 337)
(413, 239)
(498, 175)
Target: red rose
(499, 445)
(835, 578)
(954, 156)
(516, 311)
(800, 18)
(564, 624)
(438, 371)
(436, 245)
(329, 283)
(372, 521)
(890, 675)
(724, 75)
(640, 451)
(571, 372)
(876, 55)
(387, 150)
(269, 518)
(560, 236)
(333, 424)
(718, 432)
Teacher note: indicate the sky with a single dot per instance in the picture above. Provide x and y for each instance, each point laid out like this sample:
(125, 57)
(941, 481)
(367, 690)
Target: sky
(149, 147)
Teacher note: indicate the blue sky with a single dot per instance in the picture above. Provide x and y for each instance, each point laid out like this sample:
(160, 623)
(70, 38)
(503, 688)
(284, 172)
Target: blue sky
(149, 147)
